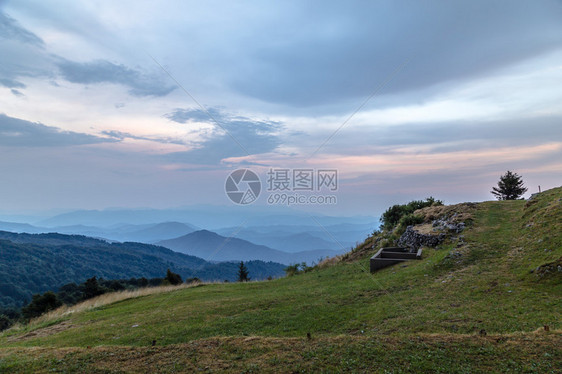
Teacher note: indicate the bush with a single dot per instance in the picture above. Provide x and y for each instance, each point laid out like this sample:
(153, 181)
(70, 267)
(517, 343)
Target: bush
(91, 289)
(70, 293)
(409, 220)
(115, 285)
(5, 322)
(392, 216)
(298, 269)
(41, 304)
(172, 278)
(292, 270)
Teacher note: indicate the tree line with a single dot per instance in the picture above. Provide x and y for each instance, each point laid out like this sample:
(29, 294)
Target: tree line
(72, 293)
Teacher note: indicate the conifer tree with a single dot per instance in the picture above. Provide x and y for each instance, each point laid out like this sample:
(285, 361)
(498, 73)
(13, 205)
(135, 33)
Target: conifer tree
(243, 273)
(510, 187)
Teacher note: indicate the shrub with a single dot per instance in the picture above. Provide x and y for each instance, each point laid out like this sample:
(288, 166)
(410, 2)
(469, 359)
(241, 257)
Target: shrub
(411, 219)
(298, 269)
(5, 322)
(392, 216)
(192, 280)
(91, 289)
(41, 304)
(172, 278)
(408, 220)
(292, 270)
(115, 285)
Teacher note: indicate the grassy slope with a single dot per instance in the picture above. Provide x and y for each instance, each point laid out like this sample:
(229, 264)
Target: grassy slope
(424, 315)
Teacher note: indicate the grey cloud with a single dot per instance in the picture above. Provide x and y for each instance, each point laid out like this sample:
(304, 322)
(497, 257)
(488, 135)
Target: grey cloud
(349, 50)
(23, 54)
(101, 71)
(118, 135)
(446, 136)
(16, 132)
(506, 132)
(246, 134)
(10, 83)
(197, 115)
(11, 29)
(16, 92)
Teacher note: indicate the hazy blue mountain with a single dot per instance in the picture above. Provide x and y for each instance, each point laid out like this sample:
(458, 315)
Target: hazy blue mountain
(291, 238)
(161, 231)
(32, 263)
(283, 241)
(146, 233)
(214, 247)
(19, 227)
(210, 217)
(108, 233)
(52, 239)
(293, 232)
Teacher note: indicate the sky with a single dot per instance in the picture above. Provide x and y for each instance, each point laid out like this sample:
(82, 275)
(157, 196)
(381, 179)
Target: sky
(154, 103)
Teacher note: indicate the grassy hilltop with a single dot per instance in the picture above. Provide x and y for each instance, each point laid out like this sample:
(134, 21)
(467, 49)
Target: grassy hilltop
(476, 303)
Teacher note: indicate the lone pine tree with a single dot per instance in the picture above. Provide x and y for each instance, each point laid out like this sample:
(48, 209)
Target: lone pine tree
(510, 187)
(243, 273)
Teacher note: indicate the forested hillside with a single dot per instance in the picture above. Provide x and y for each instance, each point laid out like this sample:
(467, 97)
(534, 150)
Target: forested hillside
(35, 263)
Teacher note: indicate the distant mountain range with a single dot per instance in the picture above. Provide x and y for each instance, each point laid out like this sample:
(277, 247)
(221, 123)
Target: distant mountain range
(33, 263)
(283, 236)
(296, 238)
(284, 241)
(158, 232)
(214, 247)
(146, 233)
(207, 216)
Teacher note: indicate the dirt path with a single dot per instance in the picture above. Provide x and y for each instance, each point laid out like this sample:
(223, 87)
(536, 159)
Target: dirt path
(42, 332)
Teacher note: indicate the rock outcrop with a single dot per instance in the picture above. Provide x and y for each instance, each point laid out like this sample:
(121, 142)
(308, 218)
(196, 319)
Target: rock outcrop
(448, 224)
(414, 239)
(431, 235)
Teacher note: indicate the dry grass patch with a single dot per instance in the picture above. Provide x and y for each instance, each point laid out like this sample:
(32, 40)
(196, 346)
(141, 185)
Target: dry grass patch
(455, 213)
(99, 301)
(330, 261)
(368, 247)
(426, 229)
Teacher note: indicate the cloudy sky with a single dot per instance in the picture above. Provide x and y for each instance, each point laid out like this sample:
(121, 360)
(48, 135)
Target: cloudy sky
(153, 103)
